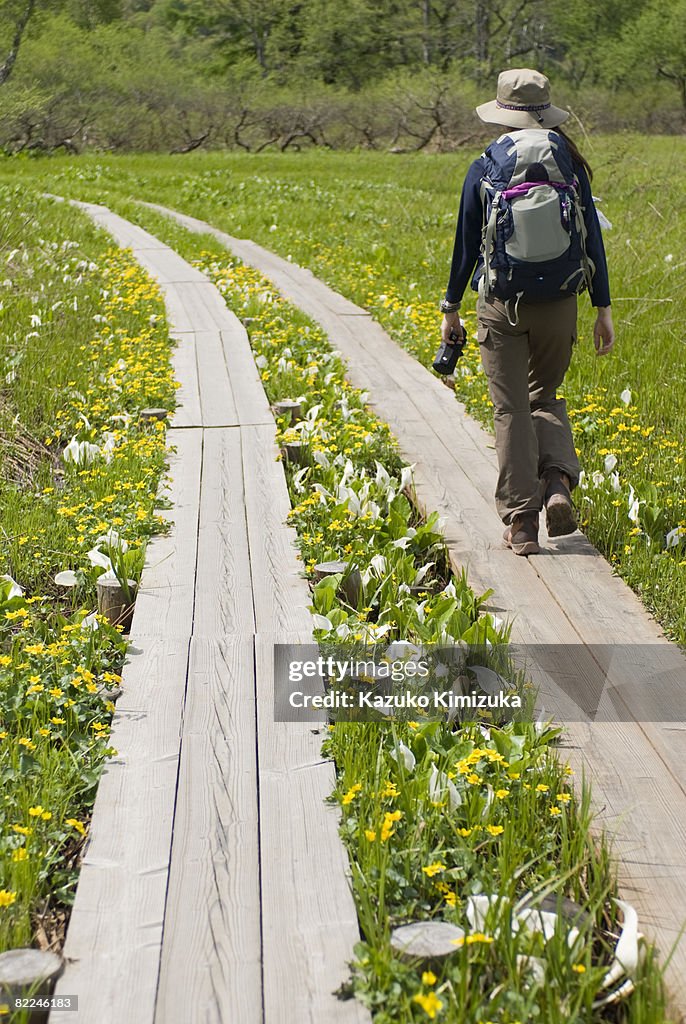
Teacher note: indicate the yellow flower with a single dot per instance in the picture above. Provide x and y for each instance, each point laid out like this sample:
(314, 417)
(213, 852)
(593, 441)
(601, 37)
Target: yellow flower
(370, 834)
(20, 854)
(563, 798)
(23, 830)
(429, 1003)
(35, 812)
(542, 788)
(470, 940)
(495, 830)
(502, 793)
(428, 978)
(474, 779)
(350, 795)
(7, 898)
(387, 825)
(464, 832)
(78, 825)
(5, 660)
(555, 811)
(579, 968)
(20, 613)
(433, 869)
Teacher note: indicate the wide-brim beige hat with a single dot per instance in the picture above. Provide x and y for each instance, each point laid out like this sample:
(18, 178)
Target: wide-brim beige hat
(522, 101)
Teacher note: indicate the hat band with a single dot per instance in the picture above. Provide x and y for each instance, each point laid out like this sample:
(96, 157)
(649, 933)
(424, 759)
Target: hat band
(517, 106)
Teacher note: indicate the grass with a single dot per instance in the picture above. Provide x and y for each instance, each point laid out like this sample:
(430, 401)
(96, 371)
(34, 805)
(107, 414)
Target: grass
(434, 816)
(379, 228)
(84, 346)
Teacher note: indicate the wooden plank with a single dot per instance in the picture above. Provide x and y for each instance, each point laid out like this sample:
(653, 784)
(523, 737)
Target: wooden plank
(166, 266)
(184, 362)
(194, 306)
(309, 923)
(281, 594)
(216, 394)
(185, 309)
(224, 594)
(251, 401)
(115, 932)
(211, 958)
(164, 606)
(126, 234)
(229, 382)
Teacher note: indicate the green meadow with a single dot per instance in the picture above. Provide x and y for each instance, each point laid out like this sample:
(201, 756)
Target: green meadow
(437, 820)
(379, 228)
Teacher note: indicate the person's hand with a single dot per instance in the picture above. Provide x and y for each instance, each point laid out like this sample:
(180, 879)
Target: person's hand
(451, 322)
(603, 331)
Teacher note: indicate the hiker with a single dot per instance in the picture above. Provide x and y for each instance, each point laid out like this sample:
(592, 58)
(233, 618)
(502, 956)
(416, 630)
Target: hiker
(528, 232)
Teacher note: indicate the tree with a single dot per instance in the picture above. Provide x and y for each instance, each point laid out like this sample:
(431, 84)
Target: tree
(580, 38)
(237, 27)
(658, 39)
(20, 20)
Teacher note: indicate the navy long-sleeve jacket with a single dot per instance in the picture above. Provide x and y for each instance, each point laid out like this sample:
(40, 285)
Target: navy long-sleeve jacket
(467, 251)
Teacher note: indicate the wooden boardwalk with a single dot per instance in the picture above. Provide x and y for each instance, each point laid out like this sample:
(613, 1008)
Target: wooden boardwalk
(566, 601)
(214, 885)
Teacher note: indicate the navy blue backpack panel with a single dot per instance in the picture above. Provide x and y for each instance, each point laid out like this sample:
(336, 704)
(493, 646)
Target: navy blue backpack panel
(533, 241)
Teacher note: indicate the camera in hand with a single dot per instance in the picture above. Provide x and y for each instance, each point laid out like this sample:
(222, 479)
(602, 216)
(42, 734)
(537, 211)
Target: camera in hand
(448, 354)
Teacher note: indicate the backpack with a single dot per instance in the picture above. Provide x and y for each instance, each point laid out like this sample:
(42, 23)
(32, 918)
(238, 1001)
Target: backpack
(534, 235)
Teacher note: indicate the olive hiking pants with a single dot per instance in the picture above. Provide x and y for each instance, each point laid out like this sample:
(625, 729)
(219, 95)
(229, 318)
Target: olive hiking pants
(525, 364)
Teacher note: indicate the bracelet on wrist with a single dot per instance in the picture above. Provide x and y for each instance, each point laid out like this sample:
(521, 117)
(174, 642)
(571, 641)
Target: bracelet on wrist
(448, 307)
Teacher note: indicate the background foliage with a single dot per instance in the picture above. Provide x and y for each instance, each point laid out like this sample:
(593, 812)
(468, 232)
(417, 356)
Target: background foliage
(387, 74)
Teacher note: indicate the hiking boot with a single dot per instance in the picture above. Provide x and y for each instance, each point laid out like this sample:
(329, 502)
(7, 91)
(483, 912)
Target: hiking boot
(522, 534)
(560, 517)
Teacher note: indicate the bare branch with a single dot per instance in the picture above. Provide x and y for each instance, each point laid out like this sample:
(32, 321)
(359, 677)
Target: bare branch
(192, 144)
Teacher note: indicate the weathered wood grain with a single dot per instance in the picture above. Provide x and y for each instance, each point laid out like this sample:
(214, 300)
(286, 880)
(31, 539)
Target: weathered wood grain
(115, 933)
(185, 364)
(216, 393)
(251, 401)
(166, 595)
(280, 592)
(211, 954)
(224, 589)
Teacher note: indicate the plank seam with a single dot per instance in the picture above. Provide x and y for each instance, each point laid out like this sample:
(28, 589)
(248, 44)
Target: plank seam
(191, 637)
